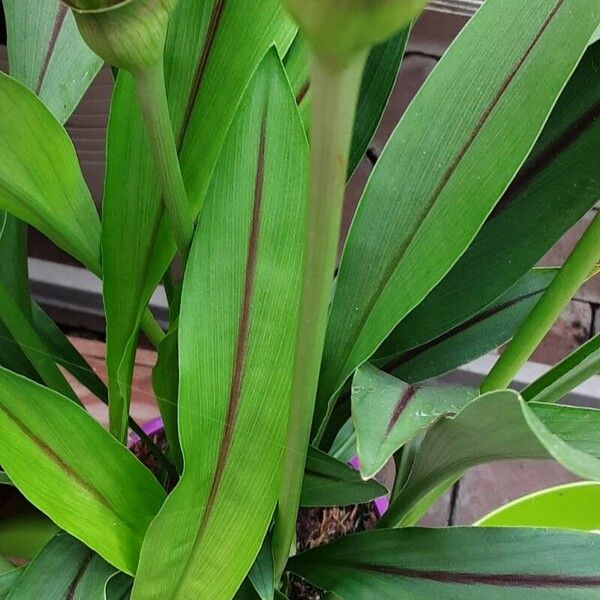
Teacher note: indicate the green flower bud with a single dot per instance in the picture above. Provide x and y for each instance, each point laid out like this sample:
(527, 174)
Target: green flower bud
(129, 34)
(339, 29)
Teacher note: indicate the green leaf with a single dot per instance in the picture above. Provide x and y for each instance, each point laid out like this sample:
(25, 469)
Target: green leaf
(118, 587)
(553, 190)
(46, 53)
(495, 107)
(388, 413)
(165, 382)
(378, 81)
(58, 345)
(571, 506)
(211, 52)
(261, 574)
(25, 335)
(465, 563)
(53, 197)
(477, 336)
(8, 580)
(14, 277)
(65, 568)
(329, 482)
(567, 375)
(5, 566)
(237, 329)
(84, 480)
(497, 426)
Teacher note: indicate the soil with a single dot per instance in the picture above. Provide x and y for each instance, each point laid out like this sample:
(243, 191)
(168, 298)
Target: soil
(318, 526)
(315, 527)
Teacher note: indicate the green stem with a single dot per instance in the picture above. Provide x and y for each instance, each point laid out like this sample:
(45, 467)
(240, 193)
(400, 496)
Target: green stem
(570, 278)
(335, 92)
(152, 98)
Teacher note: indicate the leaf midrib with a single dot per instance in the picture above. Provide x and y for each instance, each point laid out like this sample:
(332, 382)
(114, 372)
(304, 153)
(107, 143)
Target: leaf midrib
(392, 265)
(66, 468)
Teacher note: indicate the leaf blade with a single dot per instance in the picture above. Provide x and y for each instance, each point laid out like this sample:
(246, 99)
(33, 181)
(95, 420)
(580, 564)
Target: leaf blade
(79, 488)
(257, 286)
(424, 563)
(432, 200)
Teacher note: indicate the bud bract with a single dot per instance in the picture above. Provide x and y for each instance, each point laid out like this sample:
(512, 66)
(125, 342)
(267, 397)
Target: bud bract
(129, 34)
(340, 29)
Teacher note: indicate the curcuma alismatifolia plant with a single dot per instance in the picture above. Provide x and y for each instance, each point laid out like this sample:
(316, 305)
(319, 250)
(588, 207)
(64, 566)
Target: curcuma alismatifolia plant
(233, 130)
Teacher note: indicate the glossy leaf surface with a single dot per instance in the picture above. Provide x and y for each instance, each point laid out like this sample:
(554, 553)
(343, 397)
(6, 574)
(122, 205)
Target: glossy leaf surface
(465, 563)
(83, 479)
(237, 329)
(497, 107)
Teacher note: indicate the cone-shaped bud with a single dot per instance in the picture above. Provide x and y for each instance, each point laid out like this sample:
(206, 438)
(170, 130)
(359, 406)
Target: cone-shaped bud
(339, 29)
(129, 34)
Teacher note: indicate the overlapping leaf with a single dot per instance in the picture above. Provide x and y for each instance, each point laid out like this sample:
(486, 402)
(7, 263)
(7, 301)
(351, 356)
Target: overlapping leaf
(65, 568)
(378, 81)
(553, 190)
(465, 563)
(388, 413)
(413, 223)
(475, 337)
(497, 426)
(83, 479)
(237, 328)
(40, 179)
(567, 375)
(329, 482)
(46, 53)
(212, 50)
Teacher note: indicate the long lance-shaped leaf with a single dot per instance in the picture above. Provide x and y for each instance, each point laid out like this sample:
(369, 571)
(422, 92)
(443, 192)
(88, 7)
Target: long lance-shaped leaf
(567, 375)
(497, 426)
(40, 179)
(211, 52)
(465, 563)
(238, 323)
(413, 224)
(388, 413)
(477, 336)
(83, 479)
(378, 81)
(64, 569)
(329, 482)
(571, 506)
(553, 190)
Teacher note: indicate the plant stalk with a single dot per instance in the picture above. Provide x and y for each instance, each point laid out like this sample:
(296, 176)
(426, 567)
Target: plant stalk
(335, 91)
(570, 278)
(152, 98)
